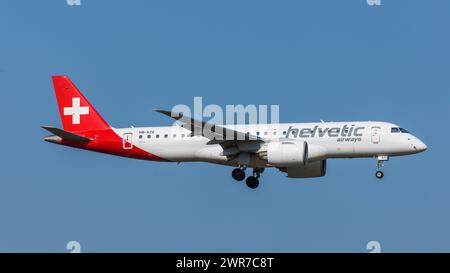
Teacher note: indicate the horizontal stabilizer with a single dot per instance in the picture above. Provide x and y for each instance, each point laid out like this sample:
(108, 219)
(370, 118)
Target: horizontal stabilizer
(64, 135)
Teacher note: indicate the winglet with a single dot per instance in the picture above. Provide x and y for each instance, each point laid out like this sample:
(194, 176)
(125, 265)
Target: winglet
(174, 115)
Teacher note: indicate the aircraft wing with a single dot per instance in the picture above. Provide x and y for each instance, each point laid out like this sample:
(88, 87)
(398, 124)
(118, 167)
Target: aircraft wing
(217, 134)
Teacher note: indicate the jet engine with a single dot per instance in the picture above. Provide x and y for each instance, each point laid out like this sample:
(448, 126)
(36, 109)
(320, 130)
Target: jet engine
(289, 153)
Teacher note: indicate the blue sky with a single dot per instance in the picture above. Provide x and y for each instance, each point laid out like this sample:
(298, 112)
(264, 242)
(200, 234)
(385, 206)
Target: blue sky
(330, 60)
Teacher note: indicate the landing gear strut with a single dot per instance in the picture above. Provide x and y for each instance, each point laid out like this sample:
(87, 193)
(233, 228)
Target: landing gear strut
(380, 163)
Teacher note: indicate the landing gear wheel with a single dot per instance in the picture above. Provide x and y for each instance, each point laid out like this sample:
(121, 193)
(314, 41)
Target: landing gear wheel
(252, 182)
(379, 174)
(380, 163)
(238, 174)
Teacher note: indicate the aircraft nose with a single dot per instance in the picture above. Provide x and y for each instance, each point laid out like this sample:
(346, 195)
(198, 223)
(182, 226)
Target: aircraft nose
(419, 146)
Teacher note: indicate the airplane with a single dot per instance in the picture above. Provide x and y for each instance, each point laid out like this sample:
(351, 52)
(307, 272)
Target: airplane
(300, 150)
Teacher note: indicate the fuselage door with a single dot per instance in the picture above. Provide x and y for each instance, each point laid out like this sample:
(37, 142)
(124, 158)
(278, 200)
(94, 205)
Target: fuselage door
(376, 135)
(127, 141)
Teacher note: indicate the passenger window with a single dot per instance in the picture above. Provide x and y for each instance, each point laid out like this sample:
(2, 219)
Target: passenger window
(149, 136)
(182, 135)
(174, 136)
(157, 136)
(265, 133)
(140, 136)
(166, 135)
(395, 130)
(284, 132)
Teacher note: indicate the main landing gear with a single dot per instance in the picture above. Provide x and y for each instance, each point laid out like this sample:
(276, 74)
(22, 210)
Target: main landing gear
(252, 181)
(380, 163)
(238, 174)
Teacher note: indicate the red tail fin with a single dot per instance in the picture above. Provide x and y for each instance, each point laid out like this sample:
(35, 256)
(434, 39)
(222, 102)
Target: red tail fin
(77, 114)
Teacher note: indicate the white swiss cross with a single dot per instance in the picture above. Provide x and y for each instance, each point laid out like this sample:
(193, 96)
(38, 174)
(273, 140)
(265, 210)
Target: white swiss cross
(76, 110)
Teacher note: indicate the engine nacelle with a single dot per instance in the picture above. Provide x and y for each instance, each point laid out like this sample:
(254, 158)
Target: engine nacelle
(287, 153)
(290, 153)
(310, 170)
(316, 153)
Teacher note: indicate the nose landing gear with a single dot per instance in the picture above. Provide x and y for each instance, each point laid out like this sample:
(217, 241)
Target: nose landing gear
(380, 163)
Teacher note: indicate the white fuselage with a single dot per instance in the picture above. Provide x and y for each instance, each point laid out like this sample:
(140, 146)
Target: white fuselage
(300, 150)
(339, 139)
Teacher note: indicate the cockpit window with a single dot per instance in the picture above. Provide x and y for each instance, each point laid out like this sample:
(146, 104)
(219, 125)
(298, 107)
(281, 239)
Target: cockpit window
(399, 130)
